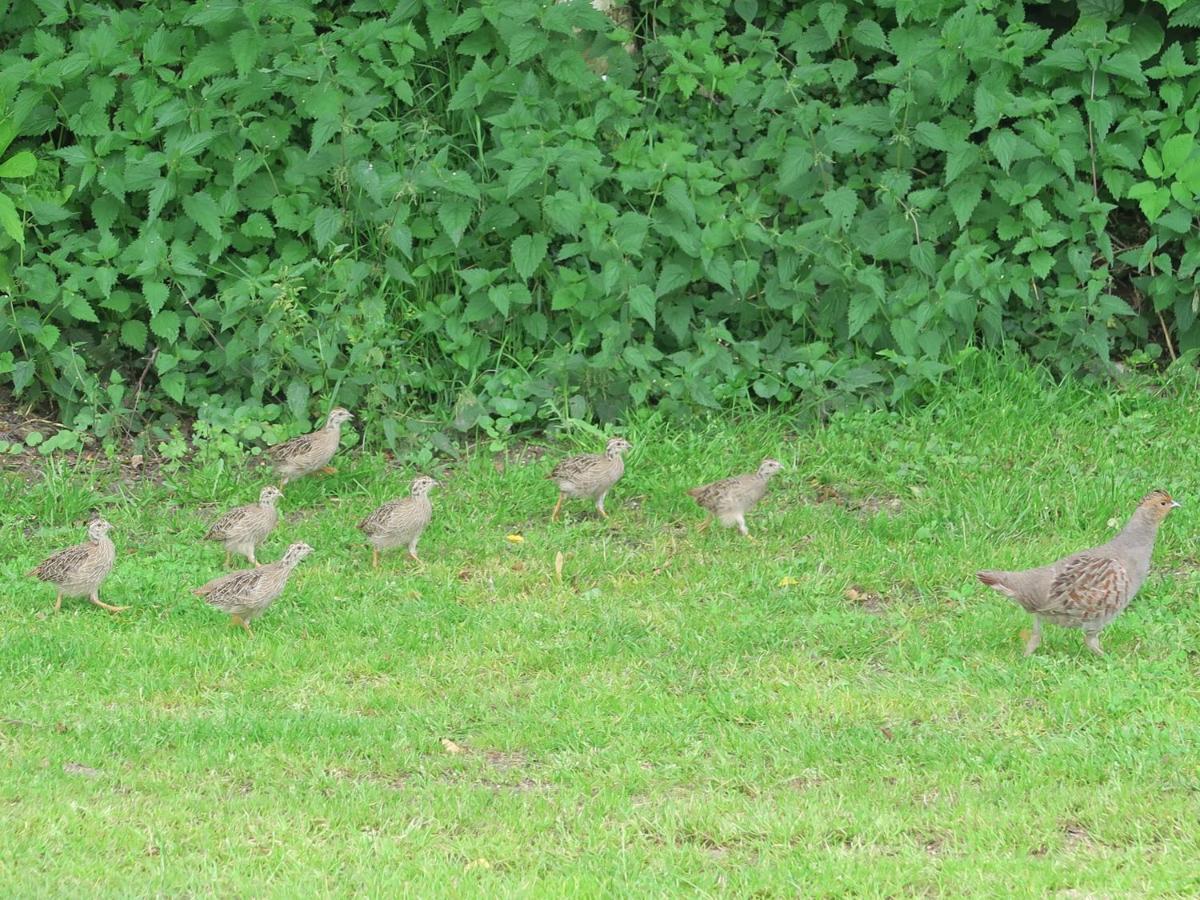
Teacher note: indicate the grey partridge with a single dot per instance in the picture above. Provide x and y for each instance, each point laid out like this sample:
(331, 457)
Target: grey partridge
(305, 454)
(246, 594)
(1089, 589)
(78, 571)
(245, 527)
(400, 523)
(729, 499)
(590, 475)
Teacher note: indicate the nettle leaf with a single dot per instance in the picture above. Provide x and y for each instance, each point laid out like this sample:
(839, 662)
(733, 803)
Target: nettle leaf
(203, 210)
(868, 32)
(455, 216)
(165, 324)
(528, 251)
(175, 385)
(133, 334)
(964, 196)
(10, 221)
(78, 307)
(156, 294)
(1176, 151)
(642, 303)
(841, 203)
(523, 173)
(1126, 65)
(326, 224)
(832, 16)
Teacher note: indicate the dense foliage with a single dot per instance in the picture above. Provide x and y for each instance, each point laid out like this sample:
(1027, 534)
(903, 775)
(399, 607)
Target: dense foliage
(248, 209)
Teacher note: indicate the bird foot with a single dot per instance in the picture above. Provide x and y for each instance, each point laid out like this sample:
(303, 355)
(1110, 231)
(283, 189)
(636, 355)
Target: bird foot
(328, 470)
(109, 607)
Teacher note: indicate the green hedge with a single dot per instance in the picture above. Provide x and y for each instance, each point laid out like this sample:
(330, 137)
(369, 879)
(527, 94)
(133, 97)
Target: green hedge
(249, 209)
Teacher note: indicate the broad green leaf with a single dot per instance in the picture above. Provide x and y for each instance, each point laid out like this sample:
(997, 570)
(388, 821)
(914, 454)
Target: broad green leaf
(19, 165)
(868, 32)
(523, 173)
(203, 210)
(1124, 65)
(841, 203)
(1176, 151)
(133, 334)
(326, 224)
(156, 294)
(528, 251)
(10, 221)
(174, 384)
(455, 216)
(642, 303)
(79, 308)
(166, 325)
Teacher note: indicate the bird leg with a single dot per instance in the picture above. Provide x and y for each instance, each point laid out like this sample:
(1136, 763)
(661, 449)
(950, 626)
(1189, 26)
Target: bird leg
(58, 602)
(228, 556)
(1035, 637)
(1092, 639)
(328, 470)
(557, 506)
(741, 526)
(412, 553)
(282, 483)
(238, 620)
(600, 505)
(95, 598)
(374, 558)
(253, 559)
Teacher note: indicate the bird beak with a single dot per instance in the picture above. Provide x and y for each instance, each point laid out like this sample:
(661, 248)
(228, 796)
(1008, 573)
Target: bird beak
(1175, 504)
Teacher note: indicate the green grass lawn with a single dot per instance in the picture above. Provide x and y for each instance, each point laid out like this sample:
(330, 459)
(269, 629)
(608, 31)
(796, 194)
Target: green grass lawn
(835, 708)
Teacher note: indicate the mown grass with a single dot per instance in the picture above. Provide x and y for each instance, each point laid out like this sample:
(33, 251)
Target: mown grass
(837, 707)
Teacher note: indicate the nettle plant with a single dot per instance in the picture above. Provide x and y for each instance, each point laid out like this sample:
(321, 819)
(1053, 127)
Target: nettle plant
(494, 215)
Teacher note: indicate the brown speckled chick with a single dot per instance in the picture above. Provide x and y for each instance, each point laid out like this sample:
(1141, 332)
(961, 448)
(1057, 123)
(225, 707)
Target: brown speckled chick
(590, 475)
(1089, 589)
(305, 454)
(731, 498)
(79, 571)
(244, 528)
(246, 594)
(399, 523)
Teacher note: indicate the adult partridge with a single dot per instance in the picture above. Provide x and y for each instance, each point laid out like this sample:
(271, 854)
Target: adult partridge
(400, 523)
(245, 527)
(1089, 589)
(78, 571)
(246, 594)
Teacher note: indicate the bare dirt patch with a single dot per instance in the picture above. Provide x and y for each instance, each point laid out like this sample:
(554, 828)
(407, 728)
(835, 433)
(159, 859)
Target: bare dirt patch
(870, 505)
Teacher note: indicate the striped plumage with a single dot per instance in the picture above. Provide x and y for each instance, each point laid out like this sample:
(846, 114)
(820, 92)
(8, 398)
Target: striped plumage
(305, 454)
(399, 523)
(731, 498)
(244, 528)
(1088, 590)
(590, 475)
(247, 593)
(78, 571)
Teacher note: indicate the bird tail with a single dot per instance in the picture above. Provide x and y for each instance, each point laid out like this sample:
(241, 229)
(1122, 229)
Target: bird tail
(996, 580)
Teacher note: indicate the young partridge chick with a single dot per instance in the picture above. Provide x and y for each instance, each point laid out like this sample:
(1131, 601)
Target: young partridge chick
(305, 454)
(729, 499)
(590, 475)
(1090, 589)
(399, 523)
(79, 571)
(244, 528)
(247, 593)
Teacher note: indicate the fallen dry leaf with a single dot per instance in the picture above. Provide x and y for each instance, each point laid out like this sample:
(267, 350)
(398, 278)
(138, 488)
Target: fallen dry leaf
(558, 564)
(515, 539)
(452, 747)
(789, 581)
(480, 863)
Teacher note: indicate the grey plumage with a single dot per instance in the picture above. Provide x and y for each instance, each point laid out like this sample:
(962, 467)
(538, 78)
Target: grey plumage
(244, 528)
(399, 523)
(731, 498)
(590, 475)
(1088, 590)
(305, 454)
(78, 571)
(247, 593)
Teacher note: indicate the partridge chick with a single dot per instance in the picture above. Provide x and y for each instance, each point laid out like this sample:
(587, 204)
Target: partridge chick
(244, 528)
(729, 499)
(305, 454)
(590, 475)
(1090, 589)
(79, 571)
(247, 593)
(400, 522)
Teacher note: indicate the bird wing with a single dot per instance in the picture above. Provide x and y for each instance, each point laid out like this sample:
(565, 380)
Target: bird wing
(573, 466)
(290, 449)
(62, 562)
(235, 585)
(382, 516)
(228, 523)
(1088, 586)
(708, 495)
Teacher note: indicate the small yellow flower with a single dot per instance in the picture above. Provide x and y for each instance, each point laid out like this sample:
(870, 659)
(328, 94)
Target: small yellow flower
(788, 581)
(515, 539)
